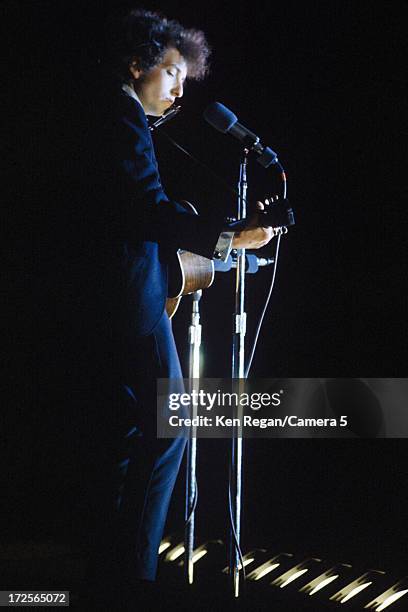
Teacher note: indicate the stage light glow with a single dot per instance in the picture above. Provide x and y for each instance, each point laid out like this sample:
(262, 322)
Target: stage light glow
(164, 546)
(176, 553)
(323, 580)
(294, 577)
(355, 591)
(391, 599)
(198, 555)
(323, 583)
(266, 571)
(381, 602)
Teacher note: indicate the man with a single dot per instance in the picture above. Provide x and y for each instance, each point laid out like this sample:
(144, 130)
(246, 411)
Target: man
(151, 59)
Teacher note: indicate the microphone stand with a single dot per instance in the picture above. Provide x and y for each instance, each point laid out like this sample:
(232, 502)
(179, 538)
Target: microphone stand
(238, 374)
(194, 334)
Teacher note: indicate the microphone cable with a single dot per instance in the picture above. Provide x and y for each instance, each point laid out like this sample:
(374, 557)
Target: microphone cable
(194, 505)
(234, 534)
(258, 329)
(275, 267)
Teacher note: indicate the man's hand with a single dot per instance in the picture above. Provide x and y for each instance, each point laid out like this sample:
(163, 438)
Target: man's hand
(253, 236)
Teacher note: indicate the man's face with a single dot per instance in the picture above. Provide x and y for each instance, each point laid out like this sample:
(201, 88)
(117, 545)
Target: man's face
(159, 87)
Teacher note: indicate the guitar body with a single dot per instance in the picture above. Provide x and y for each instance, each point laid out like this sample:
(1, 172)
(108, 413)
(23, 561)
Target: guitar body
(188, 272)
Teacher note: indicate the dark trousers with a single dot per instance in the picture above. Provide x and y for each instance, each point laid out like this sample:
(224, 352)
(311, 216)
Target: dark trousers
(143, 468)
(149, 466)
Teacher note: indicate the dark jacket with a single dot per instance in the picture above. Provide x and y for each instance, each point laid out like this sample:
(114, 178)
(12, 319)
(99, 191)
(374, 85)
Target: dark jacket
(150, 226)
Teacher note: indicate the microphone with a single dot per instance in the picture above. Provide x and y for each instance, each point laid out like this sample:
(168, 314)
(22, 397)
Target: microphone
(252, 263)
(224, 120)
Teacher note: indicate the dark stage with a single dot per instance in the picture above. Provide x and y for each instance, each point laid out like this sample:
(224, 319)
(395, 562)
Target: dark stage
(322, 83)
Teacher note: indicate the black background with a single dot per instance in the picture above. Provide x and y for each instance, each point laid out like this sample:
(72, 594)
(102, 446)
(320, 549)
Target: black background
(322, 83)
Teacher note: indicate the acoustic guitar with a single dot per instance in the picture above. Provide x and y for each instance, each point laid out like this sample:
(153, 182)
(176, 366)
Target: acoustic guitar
(189, 272)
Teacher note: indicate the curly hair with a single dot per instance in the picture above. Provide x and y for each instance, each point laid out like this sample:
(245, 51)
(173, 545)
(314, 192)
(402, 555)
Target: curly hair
(144, 36)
